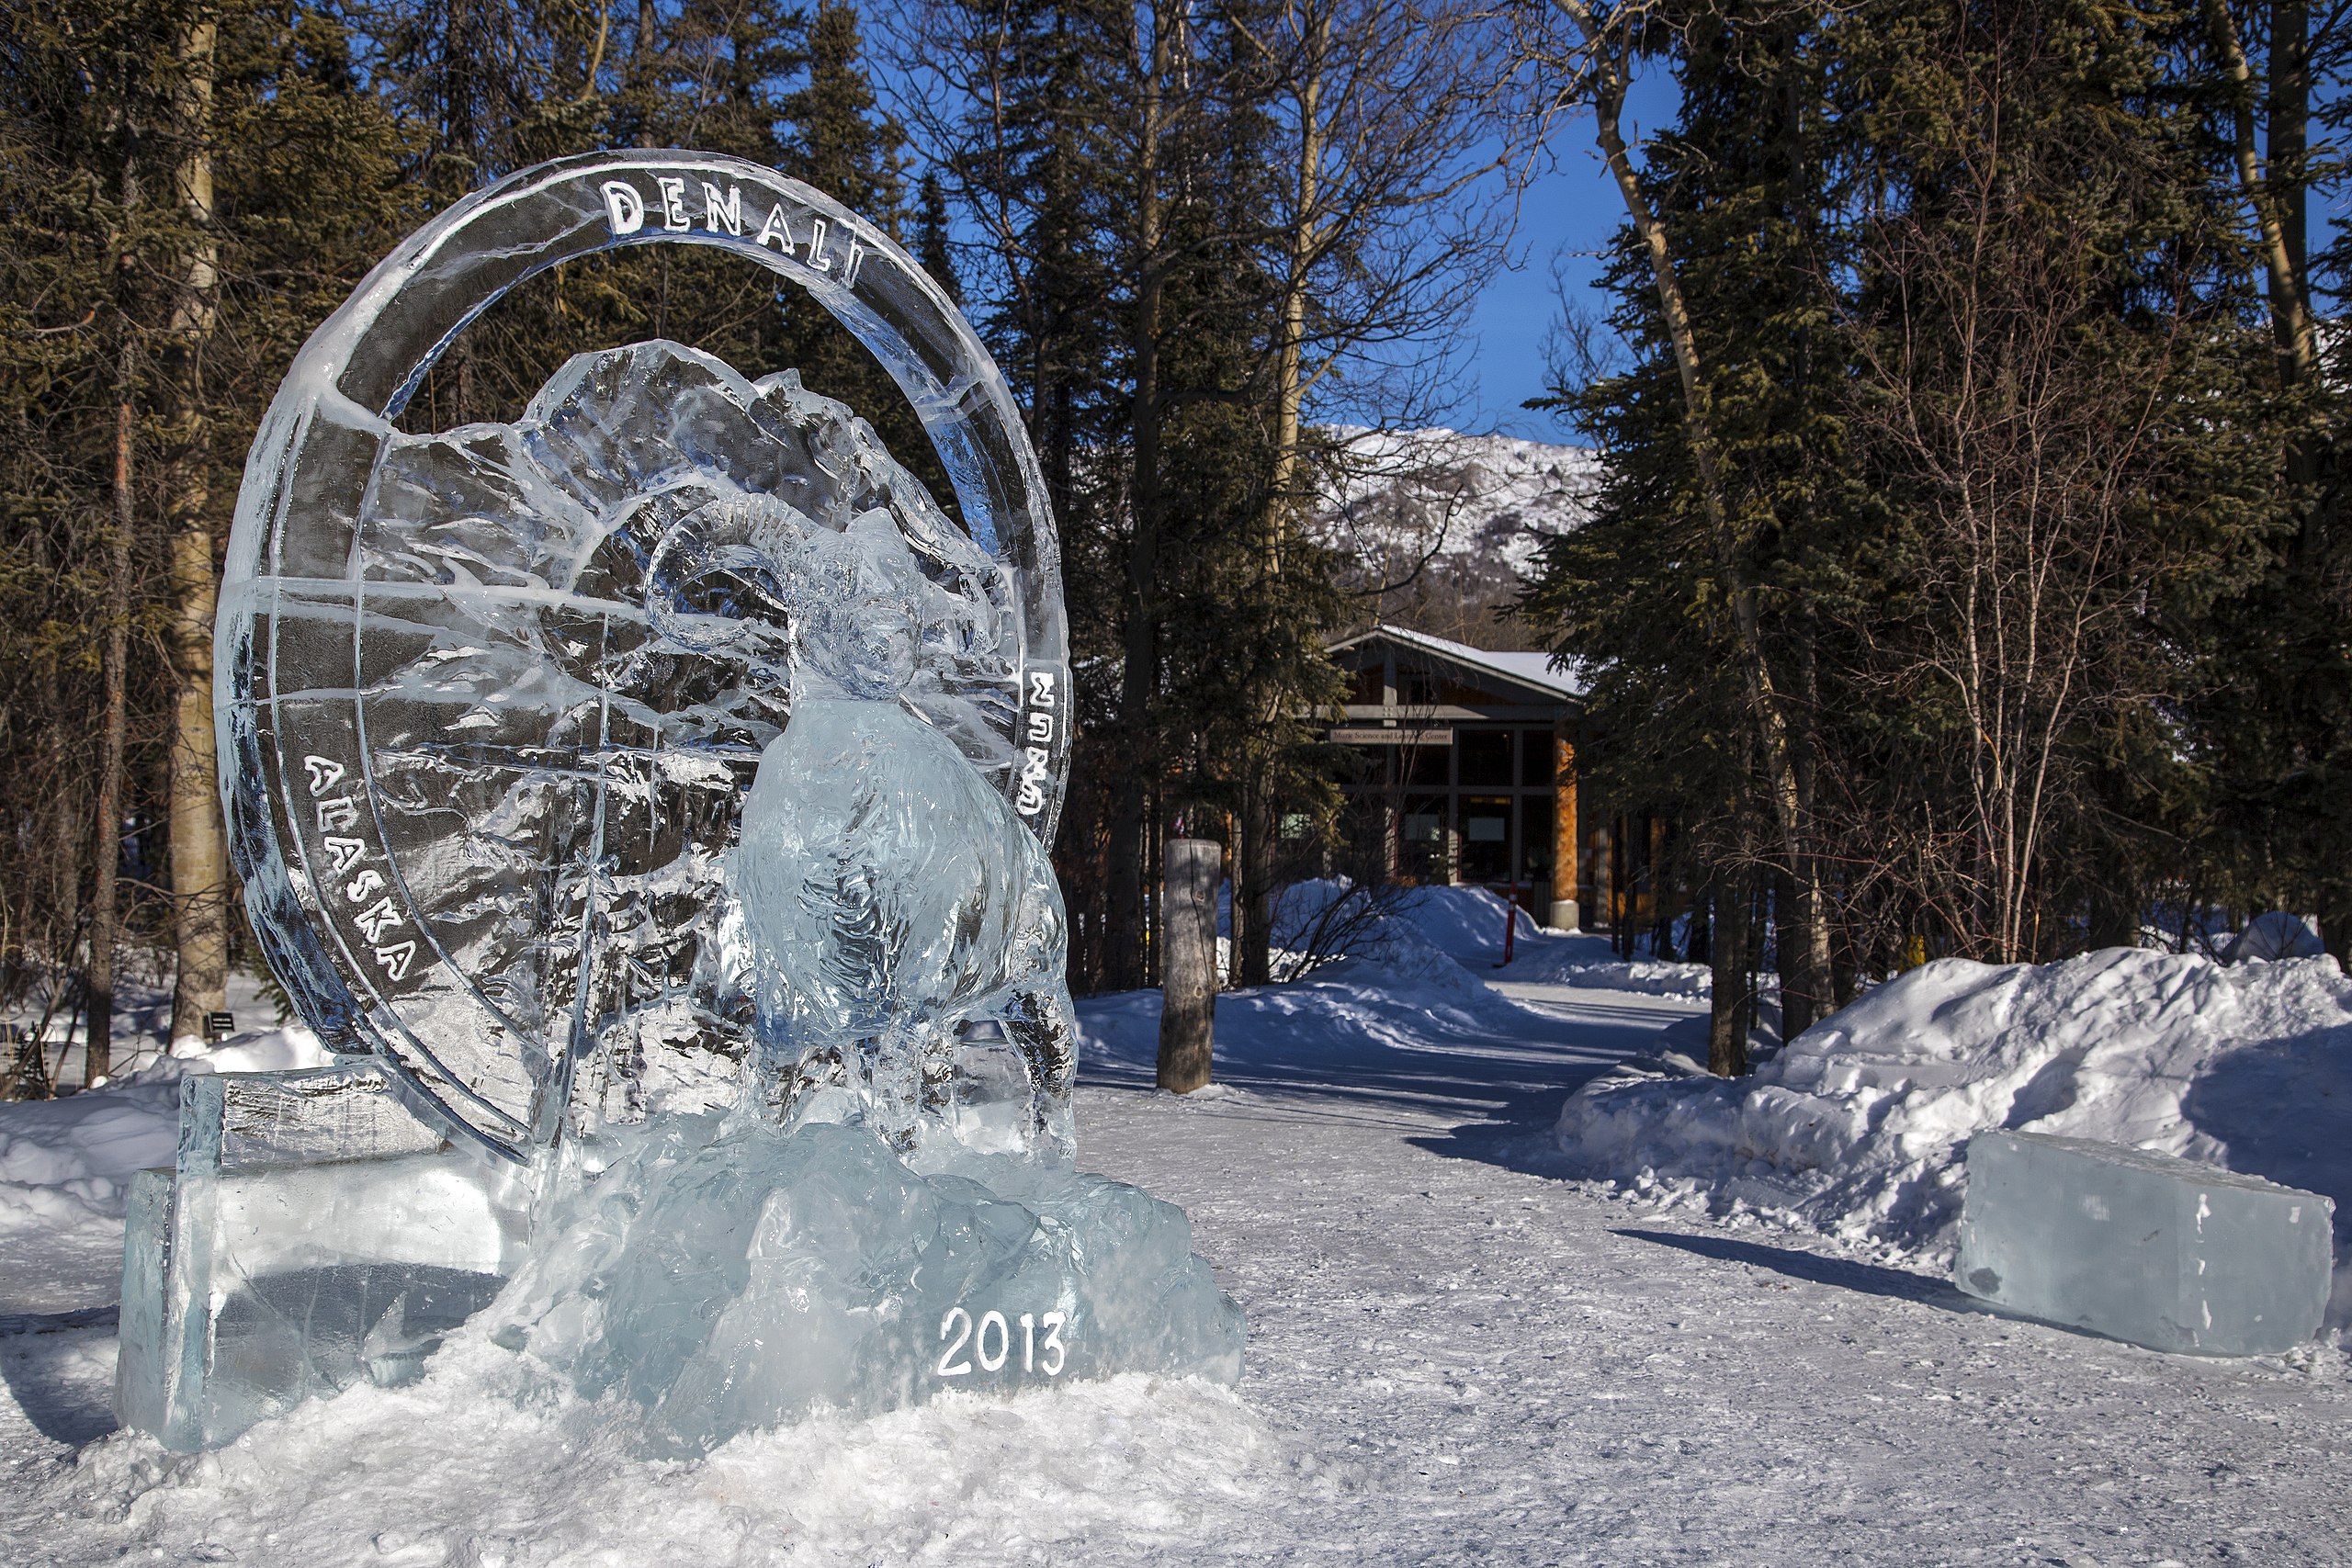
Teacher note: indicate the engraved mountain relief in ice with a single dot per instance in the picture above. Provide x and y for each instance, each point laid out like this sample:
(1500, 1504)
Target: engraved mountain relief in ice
(581, 634)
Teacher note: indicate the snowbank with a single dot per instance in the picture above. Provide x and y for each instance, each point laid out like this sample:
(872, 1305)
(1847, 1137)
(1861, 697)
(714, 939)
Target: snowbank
(1589, 960)
(1463, 923)
(65, 1166)
(1399, 989)
(2277, 934)
(1856, 1129)
(1466, 925)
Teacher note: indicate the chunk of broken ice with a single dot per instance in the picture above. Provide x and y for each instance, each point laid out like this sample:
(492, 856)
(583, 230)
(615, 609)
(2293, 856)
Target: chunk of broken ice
(724, 1275)
(2144, 1248)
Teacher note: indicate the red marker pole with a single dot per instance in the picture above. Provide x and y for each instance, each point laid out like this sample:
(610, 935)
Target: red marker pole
(1510, 922)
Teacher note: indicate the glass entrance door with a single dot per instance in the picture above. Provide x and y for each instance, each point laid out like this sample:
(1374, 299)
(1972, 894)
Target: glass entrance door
(1486, 837)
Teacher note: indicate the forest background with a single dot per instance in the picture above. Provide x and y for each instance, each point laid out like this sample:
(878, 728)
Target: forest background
(1968, 574)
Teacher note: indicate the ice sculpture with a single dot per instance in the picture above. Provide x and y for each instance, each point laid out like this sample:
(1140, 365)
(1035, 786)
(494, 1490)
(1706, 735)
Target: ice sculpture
(722, 1275)
(648, 799)
(2163, 1252)
(891, 898)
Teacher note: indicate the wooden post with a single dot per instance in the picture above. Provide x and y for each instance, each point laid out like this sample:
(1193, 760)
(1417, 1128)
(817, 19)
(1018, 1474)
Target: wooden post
(1188, 962)
(1566, 913)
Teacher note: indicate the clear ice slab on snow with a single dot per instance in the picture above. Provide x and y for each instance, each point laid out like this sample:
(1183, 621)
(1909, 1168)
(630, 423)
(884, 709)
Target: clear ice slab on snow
(724, 1274)
(2143, 1247)
(311, 1233)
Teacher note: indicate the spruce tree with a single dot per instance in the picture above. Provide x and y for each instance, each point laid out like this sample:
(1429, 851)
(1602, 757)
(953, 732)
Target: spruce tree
(932, 242)
(1957, 279)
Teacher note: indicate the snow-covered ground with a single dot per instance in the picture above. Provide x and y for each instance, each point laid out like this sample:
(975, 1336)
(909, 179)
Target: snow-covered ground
(143, 1019)
(1457, 1356)
(65, 1168)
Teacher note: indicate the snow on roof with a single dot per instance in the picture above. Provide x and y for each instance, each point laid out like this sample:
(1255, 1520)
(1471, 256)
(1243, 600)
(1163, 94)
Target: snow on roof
(1528, 668)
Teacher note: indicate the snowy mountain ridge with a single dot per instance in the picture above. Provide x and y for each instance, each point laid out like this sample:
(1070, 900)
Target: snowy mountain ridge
(1480, 502)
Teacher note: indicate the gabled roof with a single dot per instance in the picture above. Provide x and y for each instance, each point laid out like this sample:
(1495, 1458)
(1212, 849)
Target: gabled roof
(1527, 669)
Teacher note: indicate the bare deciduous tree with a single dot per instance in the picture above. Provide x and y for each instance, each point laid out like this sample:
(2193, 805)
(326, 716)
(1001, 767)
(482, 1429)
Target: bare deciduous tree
(2018, 422)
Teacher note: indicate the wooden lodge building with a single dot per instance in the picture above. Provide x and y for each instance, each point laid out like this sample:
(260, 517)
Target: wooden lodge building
(1469, 777)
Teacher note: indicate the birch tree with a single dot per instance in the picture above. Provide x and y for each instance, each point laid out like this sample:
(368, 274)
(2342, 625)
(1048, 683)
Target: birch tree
(1393, 117)
(1606, 47)
(199, 862)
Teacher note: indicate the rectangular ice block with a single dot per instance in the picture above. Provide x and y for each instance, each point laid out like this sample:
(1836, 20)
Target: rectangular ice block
(312, 1233)
(2143, 1247)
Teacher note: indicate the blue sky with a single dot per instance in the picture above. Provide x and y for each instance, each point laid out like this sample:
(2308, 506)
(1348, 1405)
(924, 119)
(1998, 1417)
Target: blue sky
(1569, 212)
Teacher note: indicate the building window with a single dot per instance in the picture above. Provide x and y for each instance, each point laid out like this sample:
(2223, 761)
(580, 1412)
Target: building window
(1535, 846)
(1486, 757)
(1486, 837)
(1421, 840)
(1536, 759)
(1415, 688)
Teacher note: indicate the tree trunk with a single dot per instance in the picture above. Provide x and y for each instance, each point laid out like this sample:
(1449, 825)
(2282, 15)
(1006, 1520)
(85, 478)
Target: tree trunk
(2334, 927)
(1763, 702)
(1188, 963)
(1788, 957)
(2282, 251)
(2286, 186)
(1727, 962)
(1253, 887)
(1252, 926)
(199, 840)
(107, 851)
(1139, 678)
(2286, 143)
(66, 811)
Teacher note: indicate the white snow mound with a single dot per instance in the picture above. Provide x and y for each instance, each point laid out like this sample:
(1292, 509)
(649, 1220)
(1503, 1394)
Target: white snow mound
(1857, 1128)
(1468, 923)
(1587, 961)
(65, 1166)
(475, 1465)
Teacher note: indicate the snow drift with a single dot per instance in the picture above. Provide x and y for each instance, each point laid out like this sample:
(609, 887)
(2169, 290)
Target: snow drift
(1589, 960)
(65, 1164)
(1466, 924)
(1857, 1128)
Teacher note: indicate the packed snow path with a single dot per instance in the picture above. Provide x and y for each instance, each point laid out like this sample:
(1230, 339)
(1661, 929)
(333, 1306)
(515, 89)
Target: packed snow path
(1455, 1357)
(1471, 1361)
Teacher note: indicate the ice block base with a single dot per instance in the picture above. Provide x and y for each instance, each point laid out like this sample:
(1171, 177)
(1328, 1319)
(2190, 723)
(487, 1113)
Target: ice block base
(257, 1274)
(724, 1276)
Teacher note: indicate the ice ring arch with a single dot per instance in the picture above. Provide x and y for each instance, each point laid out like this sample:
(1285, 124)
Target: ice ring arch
(392, 941)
